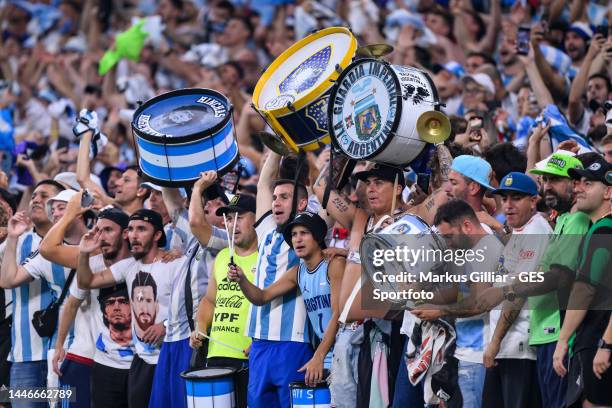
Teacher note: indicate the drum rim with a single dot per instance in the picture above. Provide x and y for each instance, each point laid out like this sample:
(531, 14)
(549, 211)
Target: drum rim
(229, 375)
(330, 108)
(316, 92)
(187, 138)
(300, 384)
(187, 183)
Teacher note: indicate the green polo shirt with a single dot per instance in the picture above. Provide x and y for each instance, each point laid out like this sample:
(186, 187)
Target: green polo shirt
(563, 249)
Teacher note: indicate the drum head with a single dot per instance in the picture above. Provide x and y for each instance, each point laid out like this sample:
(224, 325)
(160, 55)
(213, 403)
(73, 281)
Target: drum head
(208, 373)
(304, 71)
(183, 115)
(364, 108)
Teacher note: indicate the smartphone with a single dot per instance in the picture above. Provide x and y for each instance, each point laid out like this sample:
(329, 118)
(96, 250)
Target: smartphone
(423, 182)
(87, 199)
(492, 105)
(602, 29)
(476, 123)
(522, 40)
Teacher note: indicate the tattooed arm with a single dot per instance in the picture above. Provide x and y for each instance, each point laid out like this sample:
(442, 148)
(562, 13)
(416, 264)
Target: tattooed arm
(339, 207)
(444, 160)
(509, 313)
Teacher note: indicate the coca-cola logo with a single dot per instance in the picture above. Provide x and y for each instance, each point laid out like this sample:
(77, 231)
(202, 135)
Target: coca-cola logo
(234, 301)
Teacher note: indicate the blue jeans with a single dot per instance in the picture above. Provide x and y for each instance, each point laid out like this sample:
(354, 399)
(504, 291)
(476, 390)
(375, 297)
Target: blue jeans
(471, 383)
(27, 375)
(406, 394)
(344, 373)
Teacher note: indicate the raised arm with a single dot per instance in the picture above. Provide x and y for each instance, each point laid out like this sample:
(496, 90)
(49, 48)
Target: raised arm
(83, 169)
(575, 107)
(86, 279)
(267, 176)
(173, 202)
(52, 246)
(11, 274)
(338, 207)
(200, 228)
(258, 296)
(540, 90)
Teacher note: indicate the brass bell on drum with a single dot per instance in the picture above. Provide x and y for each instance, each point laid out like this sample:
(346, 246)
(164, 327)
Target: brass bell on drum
(274, 143)
(433, 127)
(374, 50)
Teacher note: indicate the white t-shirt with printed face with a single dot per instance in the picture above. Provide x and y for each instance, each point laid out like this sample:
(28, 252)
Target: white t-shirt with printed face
(149, 287)
(111, 348)
(84, 342)
(521, 253)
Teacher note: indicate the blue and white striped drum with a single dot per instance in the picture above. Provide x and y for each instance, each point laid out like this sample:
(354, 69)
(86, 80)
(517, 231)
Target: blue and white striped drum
(182, 133)
(210, 387)
(292, 94)
(303, 396)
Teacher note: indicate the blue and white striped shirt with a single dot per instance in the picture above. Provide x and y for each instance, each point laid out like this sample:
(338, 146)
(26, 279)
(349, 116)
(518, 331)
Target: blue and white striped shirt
(53, 276)
(28, 298)
(283, 319)
(201, 259)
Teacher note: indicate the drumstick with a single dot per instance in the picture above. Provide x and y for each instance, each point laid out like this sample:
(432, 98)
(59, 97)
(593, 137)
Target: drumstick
(220, 342)
(229, 238)
(233, 239)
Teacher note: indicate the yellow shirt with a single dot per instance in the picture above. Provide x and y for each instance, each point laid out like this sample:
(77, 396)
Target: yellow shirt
(231, 307)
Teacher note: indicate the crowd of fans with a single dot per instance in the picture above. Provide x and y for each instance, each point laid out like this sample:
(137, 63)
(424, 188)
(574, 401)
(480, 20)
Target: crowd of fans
(248, 270)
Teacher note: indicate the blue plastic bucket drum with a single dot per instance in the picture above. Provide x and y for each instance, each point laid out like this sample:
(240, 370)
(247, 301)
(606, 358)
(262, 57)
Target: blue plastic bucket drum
(182, 133)
(303, 396)
(210, 387)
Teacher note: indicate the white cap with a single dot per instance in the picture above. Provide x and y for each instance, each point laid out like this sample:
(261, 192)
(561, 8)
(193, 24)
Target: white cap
(481, 79)
(69, 178)
(64, 195)
(151, 186)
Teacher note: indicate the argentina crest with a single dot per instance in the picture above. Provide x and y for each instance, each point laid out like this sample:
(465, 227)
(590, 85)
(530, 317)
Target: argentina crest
(363, 108)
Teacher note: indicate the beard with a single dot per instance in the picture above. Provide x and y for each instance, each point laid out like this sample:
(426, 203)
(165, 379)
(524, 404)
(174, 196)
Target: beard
(120, 326)
(558, 203)
(146, 247)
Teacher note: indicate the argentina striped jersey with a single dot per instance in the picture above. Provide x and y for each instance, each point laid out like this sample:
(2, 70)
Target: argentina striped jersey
(27, 345)
(200, 259)
(283, 319)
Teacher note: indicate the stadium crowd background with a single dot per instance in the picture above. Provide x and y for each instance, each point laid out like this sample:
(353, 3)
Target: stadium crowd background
(554, 97)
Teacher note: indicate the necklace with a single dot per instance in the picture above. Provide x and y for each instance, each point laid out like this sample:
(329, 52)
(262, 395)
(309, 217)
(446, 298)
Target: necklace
(140, 293)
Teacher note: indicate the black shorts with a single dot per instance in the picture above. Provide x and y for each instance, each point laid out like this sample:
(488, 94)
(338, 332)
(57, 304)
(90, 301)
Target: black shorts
(109, 387)
(512, 383)
(140, 380)
(5, 349)
(596, 391)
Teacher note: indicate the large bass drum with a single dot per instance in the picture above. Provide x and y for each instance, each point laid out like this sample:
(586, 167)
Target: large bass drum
(406, 230)
(182, 133)
(292, 94)
(373, 111)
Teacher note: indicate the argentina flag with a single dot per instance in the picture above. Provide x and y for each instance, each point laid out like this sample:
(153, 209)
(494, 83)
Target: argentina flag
(560, 130)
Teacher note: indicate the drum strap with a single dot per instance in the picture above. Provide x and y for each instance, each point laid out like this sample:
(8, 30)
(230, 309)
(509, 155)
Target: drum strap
(301, 159)
(188, 295)
(330, 178)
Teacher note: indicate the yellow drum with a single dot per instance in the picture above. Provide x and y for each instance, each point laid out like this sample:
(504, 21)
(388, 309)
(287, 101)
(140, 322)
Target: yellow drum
(292, 94)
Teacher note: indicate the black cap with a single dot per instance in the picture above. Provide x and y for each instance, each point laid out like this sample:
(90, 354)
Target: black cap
(240, 203)
(153, 218)
(115, 215)
(384, 172)
(599, 170)
(215, 191)
(310, 220)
